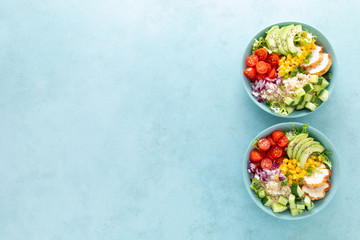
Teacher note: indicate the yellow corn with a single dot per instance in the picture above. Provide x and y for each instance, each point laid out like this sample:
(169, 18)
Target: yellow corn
(320, 158)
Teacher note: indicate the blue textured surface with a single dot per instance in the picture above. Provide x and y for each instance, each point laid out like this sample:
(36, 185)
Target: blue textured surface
(128, 119)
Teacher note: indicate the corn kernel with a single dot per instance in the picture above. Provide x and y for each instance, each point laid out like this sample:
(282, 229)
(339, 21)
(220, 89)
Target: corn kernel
(285, 160)
(313, 157)
(290, 182)
(320, 158)
(298, 169)
(290, 177)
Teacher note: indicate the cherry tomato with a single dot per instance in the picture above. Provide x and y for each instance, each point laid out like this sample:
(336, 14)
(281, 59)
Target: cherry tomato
(264, 144)
(256, 155)
(261, 53)
(252, 60)
(276, 152)
(268, 155)
(266, 163)
(272, 74)
(269, 68)
(283, 141)
(260, 76)
(272, 142)
(279, 160)
(276, 135)
(261, 67)
(273, 59)
(250, 73)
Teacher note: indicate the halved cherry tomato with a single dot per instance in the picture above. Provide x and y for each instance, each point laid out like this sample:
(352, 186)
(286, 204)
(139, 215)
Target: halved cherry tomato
(260, 76)
(276, 152)
(272, 142)
(264, 144)
(273, 59)
(279, 160)
(272, 74)
(250, 73)
(256, 155)
(269, 68)
(283, 141)
(261, 67)
(252, 60)
(276, 135)
(266, 163)
(268, 155)
(261, 53)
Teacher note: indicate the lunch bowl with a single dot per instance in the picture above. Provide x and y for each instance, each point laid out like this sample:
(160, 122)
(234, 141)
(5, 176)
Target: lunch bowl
(320, 40)
(334, 178)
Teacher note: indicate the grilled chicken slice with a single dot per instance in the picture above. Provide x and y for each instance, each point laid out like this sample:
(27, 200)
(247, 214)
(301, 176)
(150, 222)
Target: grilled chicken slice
(315, 58)
(316, 193)
(322, 67)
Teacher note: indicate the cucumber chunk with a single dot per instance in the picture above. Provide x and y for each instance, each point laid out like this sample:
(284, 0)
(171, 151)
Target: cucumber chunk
(277, 207)
(267, 201)
(296, 190)
(311, 106)
(314, 79)
(308, 97)
(308, 87)
(289, 101)
(324, 84)
(261, 193)
(301, 211)
(316, 100)
(308, 203)
(324, 95)
(317, 88)
(300, 206)
(292, 205)
(294, 211)
(283, 200)
(291, 198)
(300, 92)
(301, 106)
(290, 109)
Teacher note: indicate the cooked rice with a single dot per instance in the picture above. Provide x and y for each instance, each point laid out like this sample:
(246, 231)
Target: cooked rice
(290, 85)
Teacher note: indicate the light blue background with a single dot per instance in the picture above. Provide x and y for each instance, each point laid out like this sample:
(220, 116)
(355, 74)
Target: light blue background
(128, 119)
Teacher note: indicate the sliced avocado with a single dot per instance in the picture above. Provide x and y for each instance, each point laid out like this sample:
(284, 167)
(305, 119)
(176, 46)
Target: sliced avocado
(284, 36)
(270, 39)
(290, 40)
(293, 142)
(307, 152)
(304, 146)
(278, 40)
(298, 146)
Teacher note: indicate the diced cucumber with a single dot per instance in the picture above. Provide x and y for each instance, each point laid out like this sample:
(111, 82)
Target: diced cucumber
(301, 211)
(296, 190)
(261, 193)
(296, 100)
(291, 198)
(300, 206)
(300, 92)
(308, 97)
(301, 100)
(308, 203)
(314, 79)
(316, 101)
(312, 205)
(308, 87)
(266, 201)
(290, 109)
(289, 101)
(324, 84)
(301, 106)
(317, 88)
(294, 211)
(292, 205)
(277, 207)
(324, 95)
(320, 80)
(283, 200)
(311, 106)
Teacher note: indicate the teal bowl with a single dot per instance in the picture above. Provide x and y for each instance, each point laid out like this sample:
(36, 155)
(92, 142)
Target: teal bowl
(334, 178)
(321, 40)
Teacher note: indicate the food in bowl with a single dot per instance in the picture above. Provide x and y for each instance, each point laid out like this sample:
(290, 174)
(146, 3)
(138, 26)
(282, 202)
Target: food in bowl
(288, 70)
(289, 170)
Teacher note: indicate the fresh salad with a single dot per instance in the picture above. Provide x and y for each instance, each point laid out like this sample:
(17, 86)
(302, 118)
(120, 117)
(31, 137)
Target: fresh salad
(289, 170)
(288, 70)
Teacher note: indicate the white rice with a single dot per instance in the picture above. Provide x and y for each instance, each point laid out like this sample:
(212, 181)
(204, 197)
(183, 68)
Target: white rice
(290, 85)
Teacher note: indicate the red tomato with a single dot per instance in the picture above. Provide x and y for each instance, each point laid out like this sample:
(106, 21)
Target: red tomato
(252, 60)
(279, 160)
(273, 59)
(261, 53)
(269, 68)
(266, 163)
(250, 73)
(261, 67)
(268, 155)
(256, 155)
(264, 144)
(272, 74)
(260, 76)
(272, 142)
(276, 152)
(283, 141)
(276, 135)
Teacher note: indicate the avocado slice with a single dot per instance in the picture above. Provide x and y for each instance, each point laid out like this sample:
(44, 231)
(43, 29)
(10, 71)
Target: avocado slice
(293, 143)
(298, 146)
(307, 152)
(278, 41)
(290, 40)
(303, 147)
(270, 39)
(284, 36)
